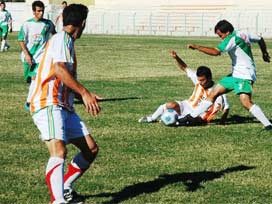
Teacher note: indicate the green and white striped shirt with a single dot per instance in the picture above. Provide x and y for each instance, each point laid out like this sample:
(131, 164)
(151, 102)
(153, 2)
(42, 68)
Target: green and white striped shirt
(238, 46)
(35, 34)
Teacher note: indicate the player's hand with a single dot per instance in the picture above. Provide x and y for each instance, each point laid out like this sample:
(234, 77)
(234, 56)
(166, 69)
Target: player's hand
(28, 59)
(191, 46)
(173, 53)
(91, 104)
(266, 57)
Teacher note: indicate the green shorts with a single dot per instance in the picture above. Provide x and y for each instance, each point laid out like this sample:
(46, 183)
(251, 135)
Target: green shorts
(3, 31)
(238, 85)
(30, 71)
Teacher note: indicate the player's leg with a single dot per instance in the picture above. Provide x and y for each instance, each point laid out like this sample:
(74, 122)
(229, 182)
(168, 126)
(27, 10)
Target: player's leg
(50, 122)
(54, 170)
(254, 109)
(76, 130)
(155, 116)
(4, 36)
(206, 104)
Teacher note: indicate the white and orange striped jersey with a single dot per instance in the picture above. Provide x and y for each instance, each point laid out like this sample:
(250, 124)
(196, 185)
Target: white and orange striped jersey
(48, 89)
(199, 94)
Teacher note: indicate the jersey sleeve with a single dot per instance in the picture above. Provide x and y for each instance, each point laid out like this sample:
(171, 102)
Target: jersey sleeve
(22, 33)
(192, 75)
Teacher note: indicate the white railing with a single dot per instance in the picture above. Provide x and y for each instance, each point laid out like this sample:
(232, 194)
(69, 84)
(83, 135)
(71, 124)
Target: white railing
(176, 24)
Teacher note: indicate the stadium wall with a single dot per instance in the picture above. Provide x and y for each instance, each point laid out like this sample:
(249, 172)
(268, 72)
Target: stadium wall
(162, 17)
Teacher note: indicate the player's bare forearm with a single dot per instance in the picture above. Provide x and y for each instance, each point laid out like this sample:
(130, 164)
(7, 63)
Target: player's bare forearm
(182, 65)
(89, 99)
(207, 50)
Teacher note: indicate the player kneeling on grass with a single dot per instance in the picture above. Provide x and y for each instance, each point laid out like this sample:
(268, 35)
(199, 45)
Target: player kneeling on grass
(52, 108)
(202, 79)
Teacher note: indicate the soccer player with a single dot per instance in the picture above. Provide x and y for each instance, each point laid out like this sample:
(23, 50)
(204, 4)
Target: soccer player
(202, 79)
(52, 108)
(238, 46)
(33, 36)
(58, 21)
(5, 26)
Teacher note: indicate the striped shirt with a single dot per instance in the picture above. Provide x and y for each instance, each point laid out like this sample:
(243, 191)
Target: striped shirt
(5, 18)
(35, 34)
(238, 46)
(200, 93)
(48, 89)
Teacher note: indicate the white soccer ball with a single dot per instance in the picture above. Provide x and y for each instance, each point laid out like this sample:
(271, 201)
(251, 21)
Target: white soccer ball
(169, 117)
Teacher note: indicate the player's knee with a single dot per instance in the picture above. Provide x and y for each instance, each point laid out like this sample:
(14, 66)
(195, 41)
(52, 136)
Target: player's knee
(91, 154)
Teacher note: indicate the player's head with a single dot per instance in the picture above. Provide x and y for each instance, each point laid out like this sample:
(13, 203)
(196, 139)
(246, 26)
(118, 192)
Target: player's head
(75, 15)
(2, 5)
(38, 9)
(223, 28)
(204, 76)
(64, 4)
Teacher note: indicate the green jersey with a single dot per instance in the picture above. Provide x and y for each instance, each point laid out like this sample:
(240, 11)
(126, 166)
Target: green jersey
(35, 34)
(238, 46)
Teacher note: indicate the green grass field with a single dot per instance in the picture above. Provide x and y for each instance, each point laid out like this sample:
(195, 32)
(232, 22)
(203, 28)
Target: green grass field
(141, 163)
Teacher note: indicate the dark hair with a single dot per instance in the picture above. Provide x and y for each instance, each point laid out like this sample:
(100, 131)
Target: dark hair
(2, 2)
(224, 26)
(64, 2)
(74, 14)
(204, 71)
(37, 4)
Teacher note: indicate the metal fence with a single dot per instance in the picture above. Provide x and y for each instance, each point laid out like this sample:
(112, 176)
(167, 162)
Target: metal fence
(176, 24)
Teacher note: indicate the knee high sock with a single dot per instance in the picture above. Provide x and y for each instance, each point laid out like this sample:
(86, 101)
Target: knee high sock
(75, 169)
(3, 44)
(54, 179)
(201, 108)
(257, 112)
(158, 112)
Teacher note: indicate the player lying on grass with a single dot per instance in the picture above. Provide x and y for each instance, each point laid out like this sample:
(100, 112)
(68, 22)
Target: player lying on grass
(203, 82)
(238, 46)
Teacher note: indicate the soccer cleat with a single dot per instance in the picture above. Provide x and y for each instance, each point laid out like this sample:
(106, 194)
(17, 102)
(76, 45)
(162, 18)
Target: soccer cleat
(27, 107)
(268, 128)
(72, 197)
(145, 119)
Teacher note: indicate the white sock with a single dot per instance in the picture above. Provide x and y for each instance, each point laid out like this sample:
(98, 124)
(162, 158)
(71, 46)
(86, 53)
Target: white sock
(75, 169)
(54, 179)
(257, 112)
(201, 108)
(30, 90)
(3, 44)
(158, 112)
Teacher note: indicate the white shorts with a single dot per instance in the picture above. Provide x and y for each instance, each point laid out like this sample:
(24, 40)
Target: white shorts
(55, 122)
(185, 108)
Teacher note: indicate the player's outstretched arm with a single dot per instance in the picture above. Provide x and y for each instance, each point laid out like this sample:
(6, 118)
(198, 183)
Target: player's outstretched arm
(207, 50)
(263, 48)
(89, 99)
(181, 64)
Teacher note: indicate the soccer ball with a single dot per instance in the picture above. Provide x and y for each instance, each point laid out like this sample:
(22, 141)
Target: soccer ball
(169, 117)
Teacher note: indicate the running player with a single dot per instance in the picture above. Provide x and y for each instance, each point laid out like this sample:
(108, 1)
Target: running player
(5, 26)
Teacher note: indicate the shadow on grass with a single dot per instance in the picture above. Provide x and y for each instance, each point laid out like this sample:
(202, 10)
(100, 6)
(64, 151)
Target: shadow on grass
(237, 119)
(193, 181)
(79, 99)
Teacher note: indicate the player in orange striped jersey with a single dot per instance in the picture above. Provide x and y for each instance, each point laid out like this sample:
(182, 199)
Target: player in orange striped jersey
(202, 79)
(52, 109)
